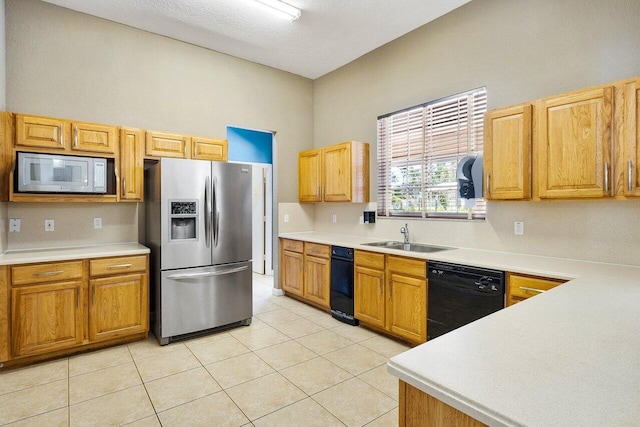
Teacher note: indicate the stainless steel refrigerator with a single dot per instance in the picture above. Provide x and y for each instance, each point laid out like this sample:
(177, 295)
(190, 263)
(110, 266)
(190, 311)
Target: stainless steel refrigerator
(198, 227)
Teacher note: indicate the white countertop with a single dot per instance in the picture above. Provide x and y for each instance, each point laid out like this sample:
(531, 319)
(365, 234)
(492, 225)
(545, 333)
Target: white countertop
(67, 253)
(568, 357)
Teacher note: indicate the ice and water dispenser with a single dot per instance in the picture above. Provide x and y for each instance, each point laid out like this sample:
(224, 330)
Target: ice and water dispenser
(184, 220)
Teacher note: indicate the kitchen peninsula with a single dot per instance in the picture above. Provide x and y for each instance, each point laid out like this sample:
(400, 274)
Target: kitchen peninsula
(566, 357)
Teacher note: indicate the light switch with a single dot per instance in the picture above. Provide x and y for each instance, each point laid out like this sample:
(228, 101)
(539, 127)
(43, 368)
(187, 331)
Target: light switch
(97, 222)
(518, 228)
(286, 217)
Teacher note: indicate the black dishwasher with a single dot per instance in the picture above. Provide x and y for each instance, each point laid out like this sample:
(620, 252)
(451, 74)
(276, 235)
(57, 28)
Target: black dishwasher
(341, 296)
(460, 294)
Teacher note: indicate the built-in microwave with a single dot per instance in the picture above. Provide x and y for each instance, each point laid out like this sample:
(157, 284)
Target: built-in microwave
(50, 173)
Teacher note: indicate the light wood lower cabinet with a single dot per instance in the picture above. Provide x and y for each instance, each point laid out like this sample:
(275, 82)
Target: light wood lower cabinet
(391, 294)
(418, 409)
(46, 317)
(520, 287)
(59, 307)
(306, 271)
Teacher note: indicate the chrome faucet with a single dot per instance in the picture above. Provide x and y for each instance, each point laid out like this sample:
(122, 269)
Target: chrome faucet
(405, 230)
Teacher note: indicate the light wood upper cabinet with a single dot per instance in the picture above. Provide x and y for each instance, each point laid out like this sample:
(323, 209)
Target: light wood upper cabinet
(162, 144)
(507, 153)
(338, 173)
(630, 161)
(310, 176)
(63, 135)
(42, 132)
(209, 149)
(574, 144)
(94, 138)
(131, 164)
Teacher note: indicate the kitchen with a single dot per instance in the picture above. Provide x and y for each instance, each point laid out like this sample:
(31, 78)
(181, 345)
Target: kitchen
(519, 50)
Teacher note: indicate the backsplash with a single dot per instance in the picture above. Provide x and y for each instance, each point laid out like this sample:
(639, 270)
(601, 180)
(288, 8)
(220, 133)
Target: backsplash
(73, 224)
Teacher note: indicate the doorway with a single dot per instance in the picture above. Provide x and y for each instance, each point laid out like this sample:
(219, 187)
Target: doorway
(256, 148)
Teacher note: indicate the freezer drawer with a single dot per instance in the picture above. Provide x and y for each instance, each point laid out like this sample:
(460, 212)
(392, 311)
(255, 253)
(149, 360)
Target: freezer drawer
(196, 299)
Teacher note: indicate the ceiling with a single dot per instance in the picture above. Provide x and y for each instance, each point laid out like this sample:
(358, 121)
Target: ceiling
(328, 35)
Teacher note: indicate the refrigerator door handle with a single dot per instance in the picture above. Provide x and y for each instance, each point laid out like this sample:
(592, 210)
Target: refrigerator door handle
(207, 273)
(207, 212)
(216, 222)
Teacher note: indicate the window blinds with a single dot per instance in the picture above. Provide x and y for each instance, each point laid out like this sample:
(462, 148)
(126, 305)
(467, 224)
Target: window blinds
(418, 152)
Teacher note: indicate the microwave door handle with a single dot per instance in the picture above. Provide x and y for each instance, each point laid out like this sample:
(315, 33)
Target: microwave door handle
(207, 212)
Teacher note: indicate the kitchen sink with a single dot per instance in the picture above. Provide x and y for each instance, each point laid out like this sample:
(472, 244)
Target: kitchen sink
(411, 247)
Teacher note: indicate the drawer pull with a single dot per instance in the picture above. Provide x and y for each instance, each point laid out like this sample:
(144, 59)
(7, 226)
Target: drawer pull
(316, 250)
(525, 288)
(119, 266)
(48, 273)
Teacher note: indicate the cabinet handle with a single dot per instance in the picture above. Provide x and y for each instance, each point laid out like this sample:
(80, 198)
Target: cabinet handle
(525, 288)
(606, 177)
(48, 273)
(379, 286)
(124, 185)
(93, 295)
(75, 136)
(629, 173)
(488, 184)
(61, 135)
(389, 288)
(119, 266)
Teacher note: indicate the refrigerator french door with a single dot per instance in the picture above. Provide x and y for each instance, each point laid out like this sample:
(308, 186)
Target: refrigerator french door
(198, 226)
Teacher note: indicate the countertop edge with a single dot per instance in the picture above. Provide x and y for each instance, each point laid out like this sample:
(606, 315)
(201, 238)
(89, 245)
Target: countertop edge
(73, 252)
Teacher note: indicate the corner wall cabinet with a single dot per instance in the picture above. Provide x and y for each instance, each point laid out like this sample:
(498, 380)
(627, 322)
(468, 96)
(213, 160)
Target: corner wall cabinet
(337, 173)
(56, 308)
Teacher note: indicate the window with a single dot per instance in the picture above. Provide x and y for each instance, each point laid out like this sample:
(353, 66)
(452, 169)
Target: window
(418, 153)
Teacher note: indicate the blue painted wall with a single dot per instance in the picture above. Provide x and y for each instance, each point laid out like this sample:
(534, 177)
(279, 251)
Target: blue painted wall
(249, 145)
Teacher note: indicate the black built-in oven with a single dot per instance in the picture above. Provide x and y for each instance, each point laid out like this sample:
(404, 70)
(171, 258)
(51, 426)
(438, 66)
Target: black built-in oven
(460, 294)
(341, 296)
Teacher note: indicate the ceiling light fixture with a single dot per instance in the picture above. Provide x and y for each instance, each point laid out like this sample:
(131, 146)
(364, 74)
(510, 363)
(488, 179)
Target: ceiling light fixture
(283, 8)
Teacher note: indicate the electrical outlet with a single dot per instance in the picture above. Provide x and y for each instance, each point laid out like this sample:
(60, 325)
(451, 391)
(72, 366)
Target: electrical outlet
(49, 225)
(286, 217)
(14, 225)
(334, 217)
(97, 222)
(518, 228)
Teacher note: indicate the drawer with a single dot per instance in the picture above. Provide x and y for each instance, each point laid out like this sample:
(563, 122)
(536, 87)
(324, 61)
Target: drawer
(407, 266)
(369, 259)
(525, 286)
(293, 245)
(48, 272)
(117, 265)
(317, 250)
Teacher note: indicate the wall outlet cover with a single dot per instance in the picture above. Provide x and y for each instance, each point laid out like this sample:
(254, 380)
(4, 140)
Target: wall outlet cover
(518, 228)
(49, 225)
(97, 222)
(14, 225)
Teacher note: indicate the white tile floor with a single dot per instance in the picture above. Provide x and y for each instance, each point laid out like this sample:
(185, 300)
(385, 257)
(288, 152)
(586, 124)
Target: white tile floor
(294, 366)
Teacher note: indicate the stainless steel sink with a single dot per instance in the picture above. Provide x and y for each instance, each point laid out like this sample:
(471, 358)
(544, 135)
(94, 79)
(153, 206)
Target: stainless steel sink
(412, 247)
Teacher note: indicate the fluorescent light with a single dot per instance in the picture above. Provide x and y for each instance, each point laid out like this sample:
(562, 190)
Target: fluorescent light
(283, 8)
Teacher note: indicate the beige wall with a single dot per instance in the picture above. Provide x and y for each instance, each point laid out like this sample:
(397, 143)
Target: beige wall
(66, 64)
(520, 50)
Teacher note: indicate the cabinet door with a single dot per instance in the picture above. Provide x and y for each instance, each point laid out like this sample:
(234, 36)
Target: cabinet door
(131, 164)
(94, 138)
(42, 132)
(369, 296)
(317, 278)
(46, 318)
(520, 288)
(407, 307)
(292, 272)
(574, 144)
(209, 149)
(631, 139)
(336, 163)
(507, 158)
(160, 144)
(310, 176)
(118, 306)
